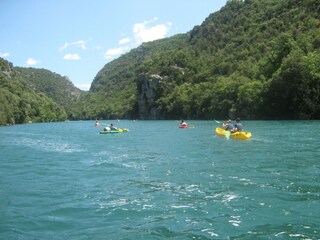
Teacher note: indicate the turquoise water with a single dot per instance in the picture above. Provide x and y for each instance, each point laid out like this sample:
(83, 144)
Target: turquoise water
(66, 181)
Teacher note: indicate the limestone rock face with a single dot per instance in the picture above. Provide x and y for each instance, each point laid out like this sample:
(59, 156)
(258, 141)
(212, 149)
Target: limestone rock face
(147, 90)
(6, 68)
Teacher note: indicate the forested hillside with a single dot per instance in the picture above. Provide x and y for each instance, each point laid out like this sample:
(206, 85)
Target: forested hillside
(256, 59)
(59, 88)
(34, 95)
(113, 92)
(20, 104)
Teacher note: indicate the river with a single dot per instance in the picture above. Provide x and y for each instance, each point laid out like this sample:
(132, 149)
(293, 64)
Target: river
(66, 181)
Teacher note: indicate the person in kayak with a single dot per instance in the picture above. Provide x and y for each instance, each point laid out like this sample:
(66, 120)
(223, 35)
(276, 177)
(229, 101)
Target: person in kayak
(97, 123)
(238, 126)
(113, 127)
(228, 126)
(183, 124)
(110, 127)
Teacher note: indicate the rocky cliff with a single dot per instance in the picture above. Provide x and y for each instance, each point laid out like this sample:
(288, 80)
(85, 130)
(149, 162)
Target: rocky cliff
(148, 86)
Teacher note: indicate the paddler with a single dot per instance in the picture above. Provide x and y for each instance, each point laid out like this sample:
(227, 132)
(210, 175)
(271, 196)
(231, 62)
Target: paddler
(228, 126)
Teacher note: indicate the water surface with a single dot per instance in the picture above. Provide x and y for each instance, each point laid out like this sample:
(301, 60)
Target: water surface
(66, 181)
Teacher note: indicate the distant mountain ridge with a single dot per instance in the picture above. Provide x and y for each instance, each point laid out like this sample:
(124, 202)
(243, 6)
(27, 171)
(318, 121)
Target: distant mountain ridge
(255, 59)
(55, 86)
(34, 95)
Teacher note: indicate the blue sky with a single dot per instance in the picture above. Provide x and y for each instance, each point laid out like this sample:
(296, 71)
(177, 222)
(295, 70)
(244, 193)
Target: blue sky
(76, 38)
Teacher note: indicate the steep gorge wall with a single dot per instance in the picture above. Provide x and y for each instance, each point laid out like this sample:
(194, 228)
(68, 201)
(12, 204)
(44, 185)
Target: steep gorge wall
(148, 95)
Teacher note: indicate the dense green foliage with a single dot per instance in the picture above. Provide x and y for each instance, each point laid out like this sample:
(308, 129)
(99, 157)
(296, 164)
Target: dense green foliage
(255, 59)
(59, 88)
(20, 104)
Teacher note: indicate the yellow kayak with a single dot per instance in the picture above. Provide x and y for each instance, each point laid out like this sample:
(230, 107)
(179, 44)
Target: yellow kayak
(237, 135)
(119, 130)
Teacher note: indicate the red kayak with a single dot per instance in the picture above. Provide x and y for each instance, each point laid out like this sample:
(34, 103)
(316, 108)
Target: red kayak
(183, 125)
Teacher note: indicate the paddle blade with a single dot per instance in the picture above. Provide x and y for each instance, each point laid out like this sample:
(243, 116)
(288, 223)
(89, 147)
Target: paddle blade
(228, 134)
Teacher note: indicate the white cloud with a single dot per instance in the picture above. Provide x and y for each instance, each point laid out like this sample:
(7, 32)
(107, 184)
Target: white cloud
(72, 57)
(124, 41)
(79, 44)
(32, 61)
(114, 52)
(144, 33)
(4, 54)
(84, 86)
(63, 47)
